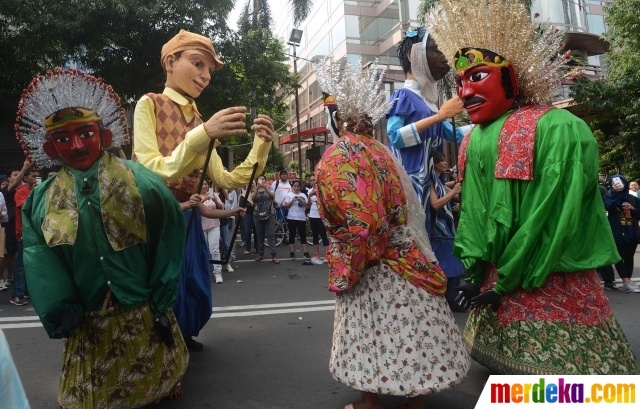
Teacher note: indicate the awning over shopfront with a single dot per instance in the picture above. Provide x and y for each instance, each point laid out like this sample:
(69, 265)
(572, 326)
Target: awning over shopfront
(319, 134)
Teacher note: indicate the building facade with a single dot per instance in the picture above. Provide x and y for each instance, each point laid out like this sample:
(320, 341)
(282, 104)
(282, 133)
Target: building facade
(369, 29)
(340, 30)
(584, 23)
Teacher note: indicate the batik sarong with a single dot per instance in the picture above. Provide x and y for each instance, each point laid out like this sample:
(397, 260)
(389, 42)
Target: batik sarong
(116, 359)
(565, 327)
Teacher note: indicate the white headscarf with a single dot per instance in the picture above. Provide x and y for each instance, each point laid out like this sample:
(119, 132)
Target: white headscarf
(422, 73)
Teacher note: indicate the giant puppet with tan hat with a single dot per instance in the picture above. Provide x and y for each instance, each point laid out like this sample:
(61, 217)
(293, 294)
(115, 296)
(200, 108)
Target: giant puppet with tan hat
(172, 140)
(532, 227)
(99, 274)
(170, 137)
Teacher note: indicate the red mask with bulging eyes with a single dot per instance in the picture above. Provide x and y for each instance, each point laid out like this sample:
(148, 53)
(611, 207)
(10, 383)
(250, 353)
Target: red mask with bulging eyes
(481, 89)
(77, 145)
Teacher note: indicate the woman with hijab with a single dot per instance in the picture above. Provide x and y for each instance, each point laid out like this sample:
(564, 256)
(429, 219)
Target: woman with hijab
(623, 214)
(442, 228)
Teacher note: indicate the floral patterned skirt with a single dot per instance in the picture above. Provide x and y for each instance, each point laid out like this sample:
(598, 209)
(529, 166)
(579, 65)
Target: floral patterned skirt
(393, 338)
(115, 359)
(565, 327)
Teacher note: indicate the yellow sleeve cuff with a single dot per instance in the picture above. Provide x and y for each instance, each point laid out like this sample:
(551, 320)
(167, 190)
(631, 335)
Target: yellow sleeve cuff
(197, 140)
(240, 175)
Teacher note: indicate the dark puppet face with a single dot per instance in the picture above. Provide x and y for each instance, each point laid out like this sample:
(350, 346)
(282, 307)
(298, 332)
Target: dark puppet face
(438, 64)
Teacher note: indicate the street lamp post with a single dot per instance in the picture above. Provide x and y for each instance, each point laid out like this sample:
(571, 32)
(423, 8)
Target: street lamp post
(294, 40)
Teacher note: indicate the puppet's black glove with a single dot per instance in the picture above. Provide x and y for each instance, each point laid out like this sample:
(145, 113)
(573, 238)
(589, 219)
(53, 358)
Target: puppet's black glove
(64, 321)
(163, 326)
(488, 297)
(467, 292)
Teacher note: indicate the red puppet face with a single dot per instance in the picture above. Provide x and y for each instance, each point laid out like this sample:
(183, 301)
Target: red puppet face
(485, 82)
(77, 144)
(482, 91)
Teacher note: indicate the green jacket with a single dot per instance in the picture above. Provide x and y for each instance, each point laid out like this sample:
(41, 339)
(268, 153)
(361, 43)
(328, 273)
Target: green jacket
(77, 277)
(530, 229)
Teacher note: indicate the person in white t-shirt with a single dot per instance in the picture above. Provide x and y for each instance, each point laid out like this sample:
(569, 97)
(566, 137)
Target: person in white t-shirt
(281, 188)
(297, 202)
(317, 227)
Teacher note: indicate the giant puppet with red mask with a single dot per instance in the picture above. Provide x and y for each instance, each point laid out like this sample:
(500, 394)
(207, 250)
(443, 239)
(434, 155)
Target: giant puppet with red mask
(532, 228)
(98, 274)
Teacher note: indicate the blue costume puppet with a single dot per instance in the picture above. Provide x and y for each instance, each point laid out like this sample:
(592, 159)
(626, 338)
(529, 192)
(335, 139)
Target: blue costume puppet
(416, 128)
(194, 302)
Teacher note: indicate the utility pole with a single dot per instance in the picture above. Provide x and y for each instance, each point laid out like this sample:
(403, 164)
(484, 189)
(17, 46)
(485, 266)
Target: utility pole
(295, 71)
(294, 40)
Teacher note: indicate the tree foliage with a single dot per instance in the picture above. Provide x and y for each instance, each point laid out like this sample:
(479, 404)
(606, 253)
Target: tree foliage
(616, 99)
(117, 40)
(120, 41)
(256, 75)
(255, 14)
(301, 10)
(294, 165)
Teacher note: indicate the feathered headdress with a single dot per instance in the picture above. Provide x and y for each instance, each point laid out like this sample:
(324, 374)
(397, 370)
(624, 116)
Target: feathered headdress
(466, 29)
(357, 93)
(45, 104)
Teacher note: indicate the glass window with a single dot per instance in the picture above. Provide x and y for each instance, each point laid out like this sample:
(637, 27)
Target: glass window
(353, 59)
(375, 29)
(317, 21)
(570, 13)
(338, 34)
(314, 92)
(303, 97)
(319, 120)
(333, 5)
(596, 24)
(322, 49)
(352, 26)
(413, 8)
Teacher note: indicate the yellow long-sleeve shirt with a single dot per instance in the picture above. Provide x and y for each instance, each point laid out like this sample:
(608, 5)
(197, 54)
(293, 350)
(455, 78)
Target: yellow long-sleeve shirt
(190, 153)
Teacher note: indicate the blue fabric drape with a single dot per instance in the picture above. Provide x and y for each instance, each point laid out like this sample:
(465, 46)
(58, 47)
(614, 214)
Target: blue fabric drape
(194, 303)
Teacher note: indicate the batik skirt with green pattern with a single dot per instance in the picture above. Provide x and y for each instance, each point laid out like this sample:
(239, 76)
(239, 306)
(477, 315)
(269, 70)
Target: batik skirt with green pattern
(115, 359)
(565, 327)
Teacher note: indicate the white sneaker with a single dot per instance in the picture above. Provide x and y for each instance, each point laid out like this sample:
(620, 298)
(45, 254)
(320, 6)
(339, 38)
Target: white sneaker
(631, 288)
(316, 260)
(229, 268)
(3, 286)
(218, 277)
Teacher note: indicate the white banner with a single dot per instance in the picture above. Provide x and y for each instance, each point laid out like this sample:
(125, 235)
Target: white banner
(579, 391)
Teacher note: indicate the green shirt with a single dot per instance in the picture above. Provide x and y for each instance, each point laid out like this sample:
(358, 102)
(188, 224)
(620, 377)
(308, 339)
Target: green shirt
(77, 277)
(530, 229)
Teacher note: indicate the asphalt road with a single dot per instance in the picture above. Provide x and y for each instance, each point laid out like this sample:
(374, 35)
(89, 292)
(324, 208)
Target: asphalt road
(266, 347)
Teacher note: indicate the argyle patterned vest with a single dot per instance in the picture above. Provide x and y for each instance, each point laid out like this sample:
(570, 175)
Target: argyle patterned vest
(171, 125)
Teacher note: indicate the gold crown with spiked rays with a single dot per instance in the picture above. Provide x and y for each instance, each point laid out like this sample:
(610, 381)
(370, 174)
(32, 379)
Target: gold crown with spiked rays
(499, 33)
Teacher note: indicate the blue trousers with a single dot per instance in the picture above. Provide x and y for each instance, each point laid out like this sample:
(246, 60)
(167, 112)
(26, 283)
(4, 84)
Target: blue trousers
(19, 282)
(248, 228)
(224, 241)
